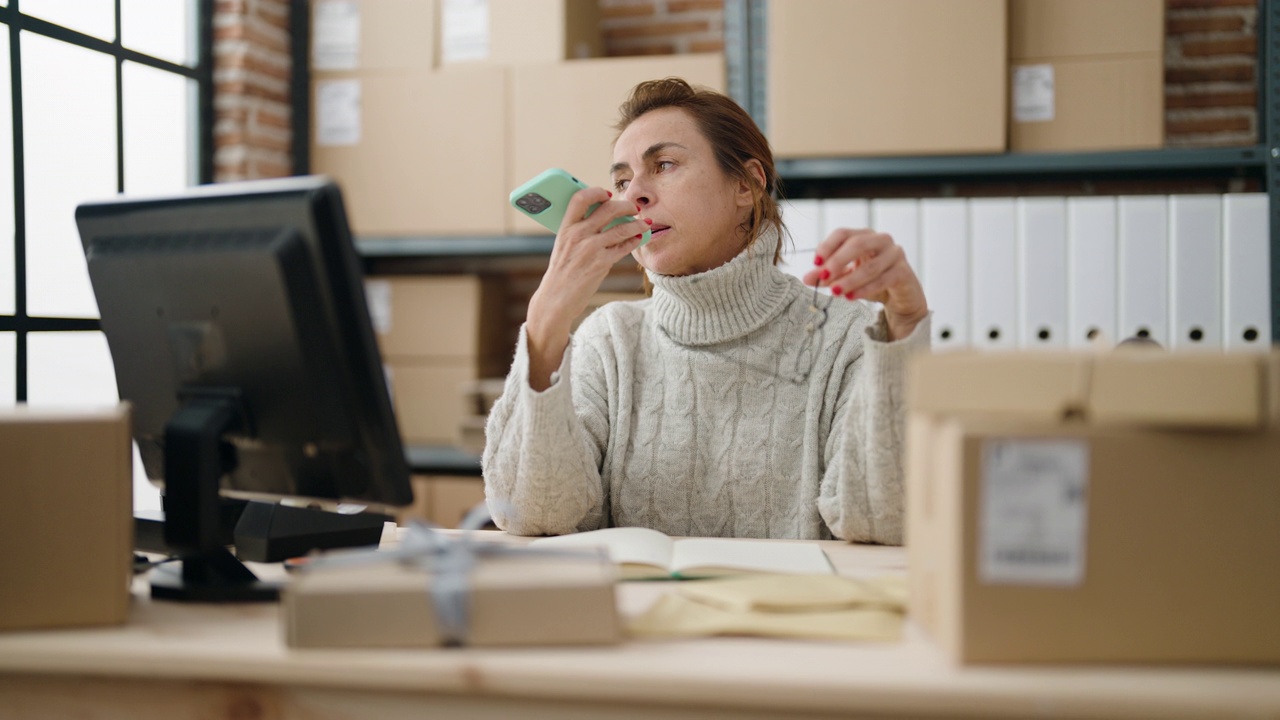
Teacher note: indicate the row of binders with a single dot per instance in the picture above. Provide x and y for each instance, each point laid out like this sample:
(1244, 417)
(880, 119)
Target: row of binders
(1187, 271)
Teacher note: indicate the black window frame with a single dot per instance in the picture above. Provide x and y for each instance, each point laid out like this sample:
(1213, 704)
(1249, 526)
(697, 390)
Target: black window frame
(15, 22)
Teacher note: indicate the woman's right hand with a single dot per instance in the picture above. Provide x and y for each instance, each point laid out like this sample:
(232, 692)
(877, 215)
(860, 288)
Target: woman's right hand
(583, 254)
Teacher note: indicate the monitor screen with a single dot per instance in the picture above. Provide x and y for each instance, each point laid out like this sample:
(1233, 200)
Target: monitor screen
(237, 310)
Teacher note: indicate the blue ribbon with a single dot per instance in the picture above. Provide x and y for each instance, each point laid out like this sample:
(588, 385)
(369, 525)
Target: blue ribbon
(448, 563)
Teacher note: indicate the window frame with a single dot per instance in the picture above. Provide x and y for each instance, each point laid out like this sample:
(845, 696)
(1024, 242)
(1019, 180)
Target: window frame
(15, 22)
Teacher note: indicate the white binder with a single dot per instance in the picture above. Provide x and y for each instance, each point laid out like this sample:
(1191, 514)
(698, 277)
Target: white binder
(1246, 241)
(1042, 272)
(849, 213)
(1144, 267)
(901, 219)
(1092, 276)
(1195, 271)
(803, 219)
(993, 289)
(944, 244)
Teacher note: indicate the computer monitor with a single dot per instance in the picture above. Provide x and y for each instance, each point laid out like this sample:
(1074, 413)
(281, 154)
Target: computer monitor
(236, 318)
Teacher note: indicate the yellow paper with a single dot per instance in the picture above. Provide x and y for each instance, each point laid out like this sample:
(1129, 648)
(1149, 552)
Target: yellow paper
(808, 607)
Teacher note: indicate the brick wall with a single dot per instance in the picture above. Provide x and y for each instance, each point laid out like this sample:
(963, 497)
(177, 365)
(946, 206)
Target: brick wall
(251, 69)
(1211, 66)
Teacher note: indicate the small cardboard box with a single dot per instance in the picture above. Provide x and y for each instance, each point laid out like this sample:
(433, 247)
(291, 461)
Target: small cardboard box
(523, 599)
(914, 78)
(449, 317)
(389, 35)
(66, 523)
(1041, 29)
(1066, 542)
(563, 114)
(1229, 391)
(515, 32)
(429, 151)
(429, 399)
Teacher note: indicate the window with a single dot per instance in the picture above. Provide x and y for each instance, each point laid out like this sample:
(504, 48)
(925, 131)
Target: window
(97, 97)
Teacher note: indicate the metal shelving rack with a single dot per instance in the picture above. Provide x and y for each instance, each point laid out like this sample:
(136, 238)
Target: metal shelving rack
(745, 51)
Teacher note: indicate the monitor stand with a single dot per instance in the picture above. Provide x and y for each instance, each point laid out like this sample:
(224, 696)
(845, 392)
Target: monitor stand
(196, 517)
(195, 459)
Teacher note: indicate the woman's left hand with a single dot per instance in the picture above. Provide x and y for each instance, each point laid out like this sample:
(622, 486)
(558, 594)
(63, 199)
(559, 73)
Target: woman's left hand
(869, 265)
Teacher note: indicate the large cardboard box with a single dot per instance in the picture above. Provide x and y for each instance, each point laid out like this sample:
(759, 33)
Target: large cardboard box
(524, 599)
(864, 77)
(1124, 530)
(430, 156)
(66, 523)
(441, 317)
(1086, 74)
(390, 35)
(563, 114)
(429, 399)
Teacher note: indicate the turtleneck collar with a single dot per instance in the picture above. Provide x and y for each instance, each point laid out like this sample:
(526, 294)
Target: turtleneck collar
(724, 303)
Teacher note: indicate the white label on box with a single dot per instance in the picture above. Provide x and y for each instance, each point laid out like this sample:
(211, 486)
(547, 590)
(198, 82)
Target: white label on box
(335, 35)
(377, 294)
(337, 112)
(1032, 525)
(464, 30)
(1033, 93)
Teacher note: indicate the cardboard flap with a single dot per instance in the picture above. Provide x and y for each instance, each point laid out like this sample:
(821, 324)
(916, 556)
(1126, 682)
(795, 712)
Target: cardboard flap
(1225, 391)
(1041, 386)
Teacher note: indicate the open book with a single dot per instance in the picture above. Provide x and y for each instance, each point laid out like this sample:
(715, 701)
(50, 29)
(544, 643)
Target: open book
(643, 554)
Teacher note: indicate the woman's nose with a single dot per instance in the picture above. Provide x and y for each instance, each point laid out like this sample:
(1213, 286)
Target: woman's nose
(637, 194)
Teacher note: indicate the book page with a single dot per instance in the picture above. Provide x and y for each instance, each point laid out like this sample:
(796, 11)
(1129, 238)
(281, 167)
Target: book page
(630, 546)
(717, 556)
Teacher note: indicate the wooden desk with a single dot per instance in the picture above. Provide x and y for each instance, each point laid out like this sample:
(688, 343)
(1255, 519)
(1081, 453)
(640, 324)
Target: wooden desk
(183, 662)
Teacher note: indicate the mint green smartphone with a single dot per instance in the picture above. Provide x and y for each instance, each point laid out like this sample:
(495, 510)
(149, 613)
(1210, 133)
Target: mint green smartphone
(546, 197)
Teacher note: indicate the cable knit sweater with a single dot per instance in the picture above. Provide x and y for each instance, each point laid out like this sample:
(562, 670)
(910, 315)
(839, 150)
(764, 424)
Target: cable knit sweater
(690, 412)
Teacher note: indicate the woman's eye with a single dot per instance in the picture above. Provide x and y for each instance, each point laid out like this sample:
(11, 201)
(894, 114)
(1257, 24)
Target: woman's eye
(620, 185)
(665, 165)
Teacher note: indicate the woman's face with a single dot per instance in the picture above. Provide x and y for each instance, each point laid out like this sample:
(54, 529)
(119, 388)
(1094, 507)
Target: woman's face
(663, 163)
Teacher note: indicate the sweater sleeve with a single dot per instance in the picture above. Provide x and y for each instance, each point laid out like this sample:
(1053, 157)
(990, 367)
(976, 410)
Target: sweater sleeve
(543, 450)
(861, 496)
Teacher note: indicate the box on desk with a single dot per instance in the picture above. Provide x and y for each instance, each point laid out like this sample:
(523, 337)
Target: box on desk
(66, 523)
(523, 599)
(1129, 531)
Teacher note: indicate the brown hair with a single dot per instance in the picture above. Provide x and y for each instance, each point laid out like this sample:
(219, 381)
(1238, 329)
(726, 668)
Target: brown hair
(735, 139)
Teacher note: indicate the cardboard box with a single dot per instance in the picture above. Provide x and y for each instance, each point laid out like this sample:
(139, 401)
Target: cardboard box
(518, 32)
(1063, 29)
(66, 523)
(514, 600)
(1229, 391)
(428, 398)
(431, 154)
(915, 78)
(1086, 75)
(1163, 550)
(393, 35)
(1103, 104)
(441, 317)
(452, 497)
(563, 114)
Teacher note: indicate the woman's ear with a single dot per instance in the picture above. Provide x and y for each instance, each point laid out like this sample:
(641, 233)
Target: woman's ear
(751, 183)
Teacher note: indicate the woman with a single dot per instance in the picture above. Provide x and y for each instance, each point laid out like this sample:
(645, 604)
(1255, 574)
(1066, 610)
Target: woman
(734, 401)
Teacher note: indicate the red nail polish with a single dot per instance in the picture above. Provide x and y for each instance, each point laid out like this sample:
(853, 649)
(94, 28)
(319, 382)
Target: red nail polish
(817, 259)
(641, 235)
(851, 295)
(610, 194)
(637, 207)
(825, 273)
(648, 221)
(835, 290)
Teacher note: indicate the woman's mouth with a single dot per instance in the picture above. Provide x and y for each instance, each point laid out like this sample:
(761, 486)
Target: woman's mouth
(657, 230)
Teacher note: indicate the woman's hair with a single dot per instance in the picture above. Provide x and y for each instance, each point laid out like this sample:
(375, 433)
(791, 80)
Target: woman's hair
(733, 135)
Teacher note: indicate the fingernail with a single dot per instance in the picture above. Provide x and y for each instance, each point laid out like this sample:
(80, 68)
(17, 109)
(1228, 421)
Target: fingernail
(825, 273)
(641, 235)
(610, 194)
(637, 207)
(836, 290)
(648, 221)
(852, 294)
(817, 259)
